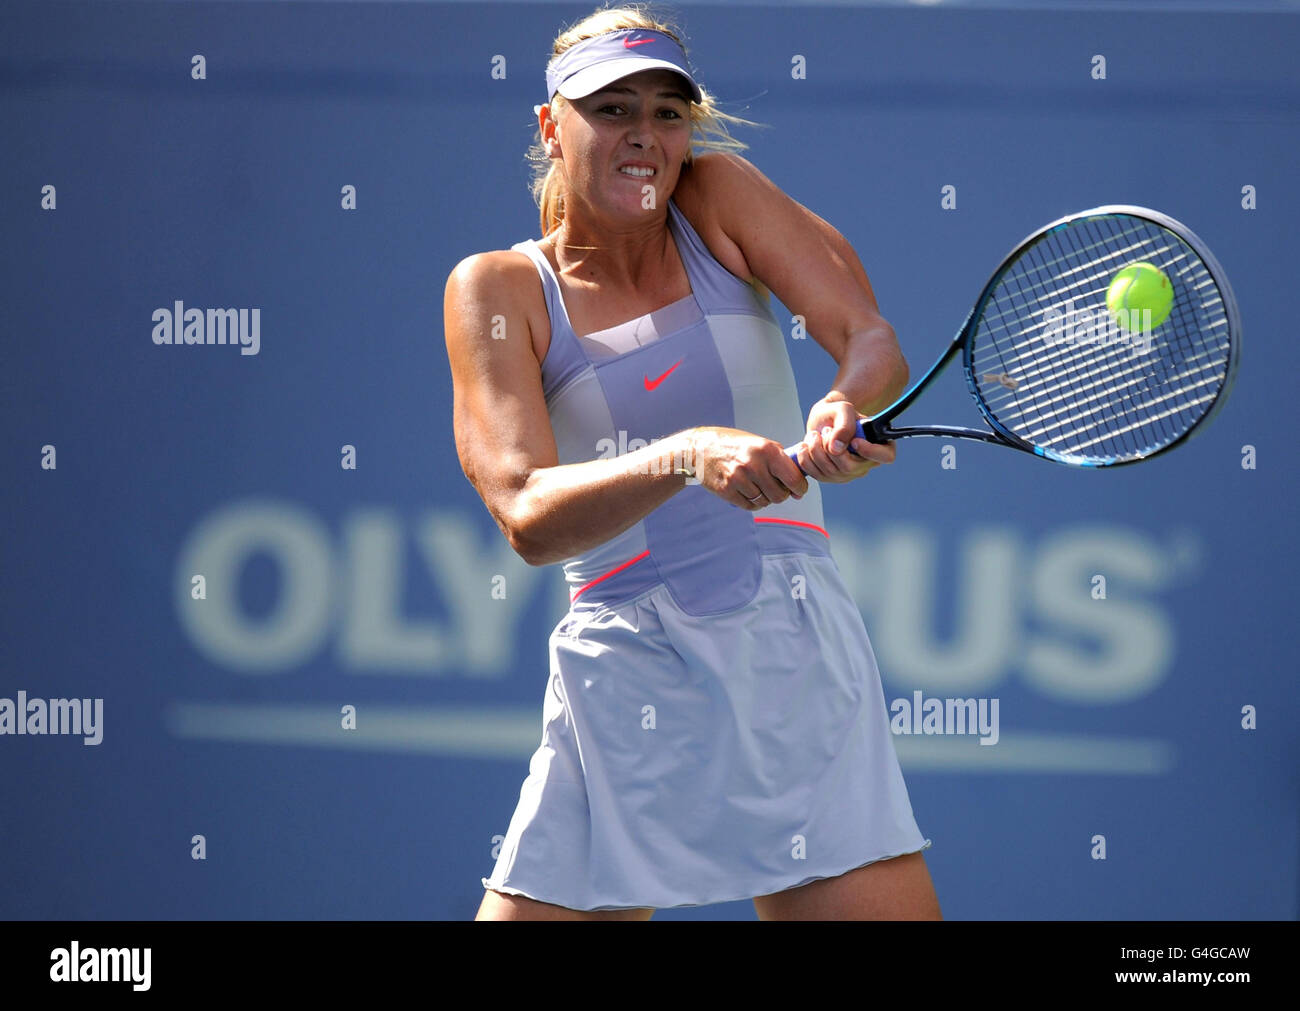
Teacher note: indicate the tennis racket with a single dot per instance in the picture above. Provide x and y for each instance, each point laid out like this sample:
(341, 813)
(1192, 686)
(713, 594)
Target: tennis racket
(1055, 373)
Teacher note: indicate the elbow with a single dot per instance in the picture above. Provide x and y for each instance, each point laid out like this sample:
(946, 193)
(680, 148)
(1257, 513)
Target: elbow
(893, 365)
(520, 541)
(528, 550)
(536, 528)
(517, 520)
(901, 374)
(524, 541)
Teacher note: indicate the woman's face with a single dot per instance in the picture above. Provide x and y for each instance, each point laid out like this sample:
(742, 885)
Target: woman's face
(632, 134)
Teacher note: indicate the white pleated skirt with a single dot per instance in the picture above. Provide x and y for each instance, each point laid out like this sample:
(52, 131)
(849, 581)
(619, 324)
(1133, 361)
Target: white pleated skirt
(686, 761)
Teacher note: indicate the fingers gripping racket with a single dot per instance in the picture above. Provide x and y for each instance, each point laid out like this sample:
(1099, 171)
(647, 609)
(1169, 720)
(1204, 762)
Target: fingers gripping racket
(1076, 352)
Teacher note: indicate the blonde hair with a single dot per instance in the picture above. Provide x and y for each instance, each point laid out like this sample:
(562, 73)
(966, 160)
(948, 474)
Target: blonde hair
(708, 121)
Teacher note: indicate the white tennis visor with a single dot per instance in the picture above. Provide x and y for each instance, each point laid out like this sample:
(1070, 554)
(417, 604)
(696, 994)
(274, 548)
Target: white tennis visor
(589, 66)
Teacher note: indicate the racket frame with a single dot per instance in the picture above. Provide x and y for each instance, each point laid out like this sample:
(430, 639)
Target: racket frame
(878, 428)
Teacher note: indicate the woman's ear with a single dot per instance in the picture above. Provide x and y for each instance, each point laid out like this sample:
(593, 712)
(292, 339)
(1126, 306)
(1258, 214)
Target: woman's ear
(550, 128)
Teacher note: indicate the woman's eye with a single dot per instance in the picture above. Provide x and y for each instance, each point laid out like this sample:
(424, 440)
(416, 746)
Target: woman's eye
(618, 109)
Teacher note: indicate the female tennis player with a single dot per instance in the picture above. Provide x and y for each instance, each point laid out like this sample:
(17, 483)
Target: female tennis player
(714, 726)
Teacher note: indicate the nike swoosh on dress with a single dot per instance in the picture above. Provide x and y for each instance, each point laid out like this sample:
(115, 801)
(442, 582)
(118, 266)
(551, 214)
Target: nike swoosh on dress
(651, 384)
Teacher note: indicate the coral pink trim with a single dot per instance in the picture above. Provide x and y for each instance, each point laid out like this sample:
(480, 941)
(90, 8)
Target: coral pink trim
(794, 523)
(599, 579)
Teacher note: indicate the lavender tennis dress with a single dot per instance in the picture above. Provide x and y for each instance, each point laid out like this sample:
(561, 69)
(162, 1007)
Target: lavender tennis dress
(714, 726)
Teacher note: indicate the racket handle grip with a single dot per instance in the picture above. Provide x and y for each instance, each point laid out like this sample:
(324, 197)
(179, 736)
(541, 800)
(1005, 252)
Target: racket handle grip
(862, 433)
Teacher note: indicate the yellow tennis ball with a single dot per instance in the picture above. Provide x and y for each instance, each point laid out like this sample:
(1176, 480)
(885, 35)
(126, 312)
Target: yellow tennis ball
(1139, 286)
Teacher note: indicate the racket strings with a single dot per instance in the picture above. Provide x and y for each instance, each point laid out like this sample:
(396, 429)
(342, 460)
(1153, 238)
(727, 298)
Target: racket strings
(1052, 367)
(1055, 364)
(1051, 392)
(1064, 414)
(1099, 268)
(1052, 272)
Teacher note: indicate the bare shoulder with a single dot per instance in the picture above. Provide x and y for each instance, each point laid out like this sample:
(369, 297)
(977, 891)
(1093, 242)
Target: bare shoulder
(726, 169)
(712, 193)
(500, 283)
(781, 242)
(496, 271)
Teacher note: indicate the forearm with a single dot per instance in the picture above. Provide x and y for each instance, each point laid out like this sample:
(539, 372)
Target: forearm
(565, 510)
(872, 371)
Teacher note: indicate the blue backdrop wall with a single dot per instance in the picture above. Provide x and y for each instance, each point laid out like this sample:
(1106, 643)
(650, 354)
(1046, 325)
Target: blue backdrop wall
(128, 183)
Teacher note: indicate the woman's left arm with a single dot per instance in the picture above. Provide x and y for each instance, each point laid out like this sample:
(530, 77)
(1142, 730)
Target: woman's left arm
(815, 272)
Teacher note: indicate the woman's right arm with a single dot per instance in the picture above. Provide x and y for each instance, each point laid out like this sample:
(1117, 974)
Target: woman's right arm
(547, 511)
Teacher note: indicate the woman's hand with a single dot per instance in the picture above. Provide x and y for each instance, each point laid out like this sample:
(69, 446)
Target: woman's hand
(832, 429)
(744, 469)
